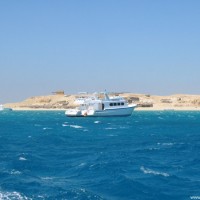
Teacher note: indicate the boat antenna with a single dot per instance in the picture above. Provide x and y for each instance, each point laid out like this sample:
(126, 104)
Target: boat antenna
(106, 95)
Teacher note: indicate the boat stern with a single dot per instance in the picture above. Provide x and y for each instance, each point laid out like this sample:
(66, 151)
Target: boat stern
(73, 113)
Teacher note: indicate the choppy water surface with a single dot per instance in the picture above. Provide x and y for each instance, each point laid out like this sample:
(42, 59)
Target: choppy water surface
(151, 155)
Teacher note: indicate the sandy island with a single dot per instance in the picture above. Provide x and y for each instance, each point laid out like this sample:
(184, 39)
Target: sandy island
(144, 102)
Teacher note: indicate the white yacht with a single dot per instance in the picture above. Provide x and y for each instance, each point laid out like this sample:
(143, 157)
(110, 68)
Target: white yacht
(1, 107)
(96, 107)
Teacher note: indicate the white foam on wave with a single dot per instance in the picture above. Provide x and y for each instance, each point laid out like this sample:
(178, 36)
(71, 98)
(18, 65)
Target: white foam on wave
(150, 171)
(15, 172)
(83, 190)
(75, 126)
(47, 128)
(110, 128)
(22, 158)
(47, 178)
(65, 125)
(153, 148)
(166, 144)
(41, 197)
(82, 164)
(12, 195)
(96, 122)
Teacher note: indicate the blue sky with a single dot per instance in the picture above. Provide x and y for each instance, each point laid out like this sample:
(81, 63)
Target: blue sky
(138, 46)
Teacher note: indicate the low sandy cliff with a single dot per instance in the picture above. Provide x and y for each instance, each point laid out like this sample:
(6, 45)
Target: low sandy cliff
(174, 102)
(44, 102)
(144, 102)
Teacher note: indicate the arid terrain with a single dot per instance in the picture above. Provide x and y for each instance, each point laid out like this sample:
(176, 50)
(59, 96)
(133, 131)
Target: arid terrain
(144, 102)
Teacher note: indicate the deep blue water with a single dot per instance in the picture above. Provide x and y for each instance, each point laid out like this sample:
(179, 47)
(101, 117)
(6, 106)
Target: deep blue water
(150, 155)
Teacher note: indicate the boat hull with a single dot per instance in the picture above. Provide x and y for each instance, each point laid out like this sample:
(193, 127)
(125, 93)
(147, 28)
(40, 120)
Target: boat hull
(127, 111)
(113, 112)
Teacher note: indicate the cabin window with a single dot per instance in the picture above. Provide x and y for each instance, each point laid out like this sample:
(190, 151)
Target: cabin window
(122, 103)
(103, 106)
(111, 104)
(118, 104)
(115, 104)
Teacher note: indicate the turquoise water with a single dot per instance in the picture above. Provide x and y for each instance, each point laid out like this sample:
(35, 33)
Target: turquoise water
(150, 155)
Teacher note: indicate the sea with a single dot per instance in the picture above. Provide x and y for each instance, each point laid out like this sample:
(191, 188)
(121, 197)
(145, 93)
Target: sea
(150, 155)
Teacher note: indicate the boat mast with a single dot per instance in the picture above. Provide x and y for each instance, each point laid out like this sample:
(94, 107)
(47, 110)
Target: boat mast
(106, 96)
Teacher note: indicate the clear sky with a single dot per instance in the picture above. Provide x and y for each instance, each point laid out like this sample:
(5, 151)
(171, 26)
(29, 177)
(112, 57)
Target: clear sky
(140, 46)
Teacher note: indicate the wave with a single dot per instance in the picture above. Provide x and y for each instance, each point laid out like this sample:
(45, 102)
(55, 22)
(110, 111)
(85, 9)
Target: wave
(47, 178)
(110, 128)
(22, 158)
(150, 171)
(166, 144)
(47, 128)
(65, 125)
(72, 126)
(96, 122)
(123, 127)
(75, 126)
(12, 195)
(15, 172)
(82, 164)
(37, 125)
(77, 193)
